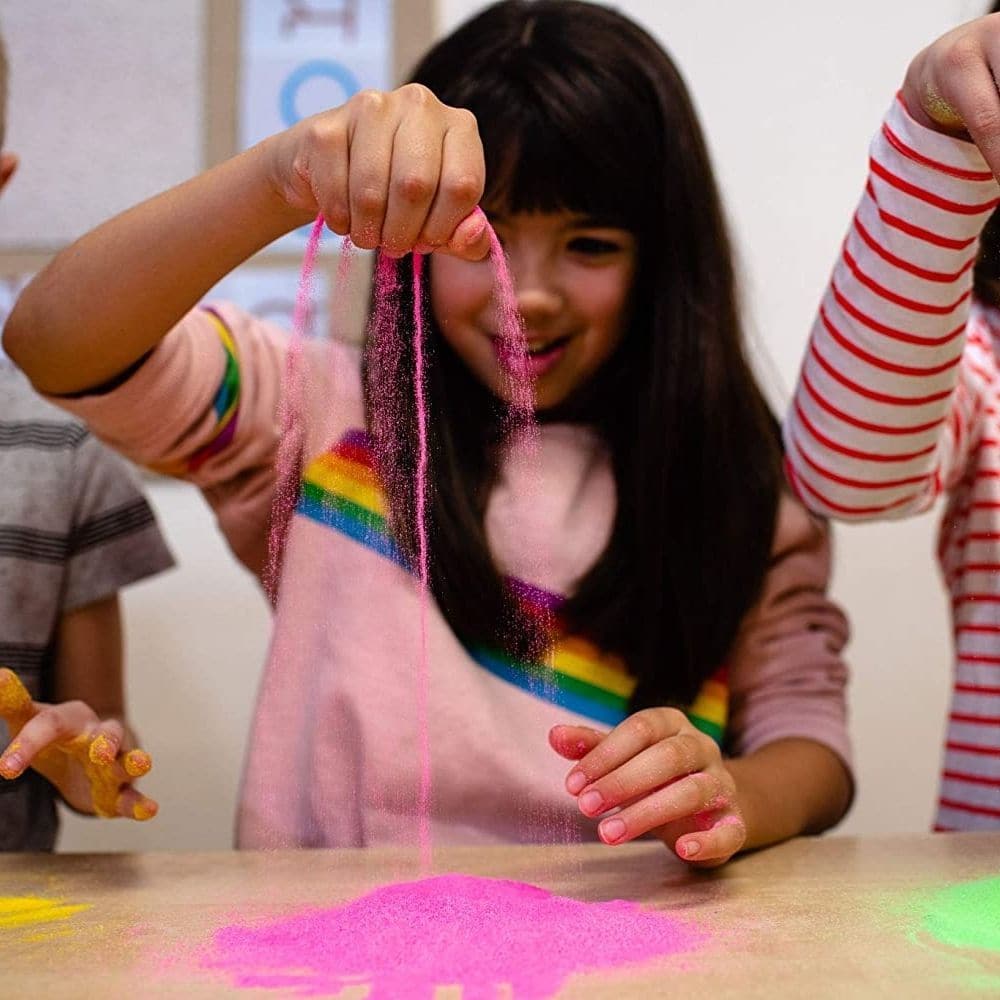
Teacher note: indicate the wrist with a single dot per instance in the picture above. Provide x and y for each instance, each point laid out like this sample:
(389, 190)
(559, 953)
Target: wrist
(287, 193)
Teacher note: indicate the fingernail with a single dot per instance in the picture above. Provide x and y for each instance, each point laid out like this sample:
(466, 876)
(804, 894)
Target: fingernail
(612, 830)
(575, 782)
(470, 228)
(137, 763)
(102, 750)
(11, 765)
(424, 248)
(144, 810)
(691, 848)
(591, 802)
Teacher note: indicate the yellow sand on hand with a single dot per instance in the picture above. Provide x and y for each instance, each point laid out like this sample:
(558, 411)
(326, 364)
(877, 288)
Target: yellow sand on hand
(26, 911)
(101, 750)
(137, 763)
(143, 811)
(14, 697)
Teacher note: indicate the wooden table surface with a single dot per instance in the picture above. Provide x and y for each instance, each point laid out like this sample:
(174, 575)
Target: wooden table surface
(831, 917)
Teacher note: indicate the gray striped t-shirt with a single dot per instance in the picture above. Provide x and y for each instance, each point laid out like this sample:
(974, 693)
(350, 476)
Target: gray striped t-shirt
(74, 529)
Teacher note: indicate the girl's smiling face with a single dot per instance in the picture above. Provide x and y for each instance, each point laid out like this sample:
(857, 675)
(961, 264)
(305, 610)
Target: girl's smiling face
(572, 277)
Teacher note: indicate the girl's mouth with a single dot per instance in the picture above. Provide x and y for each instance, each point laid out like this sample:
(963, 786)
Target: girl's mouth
(541, 358)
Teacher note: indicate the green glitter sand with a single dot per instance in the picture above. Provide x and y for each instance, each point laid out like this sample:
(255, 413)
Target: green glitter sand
(966, 915)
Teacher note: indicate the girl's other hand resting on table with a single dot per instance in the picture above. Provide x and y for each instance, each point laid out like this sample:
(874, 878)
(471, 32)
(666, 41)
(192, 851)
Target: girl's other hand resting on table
(660, 775)
(79, 753)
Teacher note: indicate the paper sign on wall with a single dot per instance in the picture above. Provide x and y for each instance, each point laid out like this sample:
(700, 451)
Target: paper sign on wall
(300, 57)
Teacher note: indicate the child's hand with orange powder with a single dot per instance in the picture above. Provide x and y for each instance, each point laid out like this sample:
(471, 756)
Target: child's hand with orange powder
(75, 750)
(665, 776)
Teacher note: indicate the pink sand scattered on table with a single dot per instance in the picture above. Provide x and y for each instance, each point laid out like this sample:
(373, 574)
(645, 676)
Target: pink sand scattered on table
(405, 940)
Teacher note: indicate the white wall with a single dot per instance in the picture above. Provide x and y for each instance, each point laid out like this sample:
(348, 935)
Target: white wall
(790, 93)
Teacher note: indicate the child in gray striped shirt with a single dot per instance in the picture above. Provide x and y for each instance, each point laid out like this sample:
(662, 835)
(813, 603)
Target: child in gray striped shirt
(74, 529)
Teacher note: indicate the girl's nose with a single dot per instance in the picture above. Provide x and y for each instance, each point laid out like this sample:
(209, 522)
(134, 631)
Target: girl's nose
(536, 289)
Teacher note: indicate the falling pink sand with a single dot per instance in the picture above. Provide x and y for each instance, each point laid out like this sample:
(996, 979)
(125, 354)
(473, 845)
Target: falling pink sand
(289, 456)
(407, 939)
(521, 432)
(424, 680)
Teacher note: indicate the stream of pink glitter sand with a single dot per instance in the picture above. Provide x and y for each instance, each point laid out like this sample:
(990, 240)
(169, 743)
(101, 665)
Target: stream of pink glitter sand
(405, 940)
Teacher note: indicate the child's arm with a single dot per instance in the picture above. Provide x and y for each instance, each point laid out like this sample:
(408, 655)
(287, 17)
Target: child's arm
(787, 728)
(80, 742)
(394, 170)
(884, 414)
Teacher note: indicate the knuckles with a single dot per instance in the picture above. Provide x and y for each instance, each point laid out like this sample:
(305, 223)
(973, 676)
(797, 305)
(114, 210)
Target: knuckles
(417, 95)
(465, 189)
(960, 56)
(369, 201)
(414, 188)
(370, 102)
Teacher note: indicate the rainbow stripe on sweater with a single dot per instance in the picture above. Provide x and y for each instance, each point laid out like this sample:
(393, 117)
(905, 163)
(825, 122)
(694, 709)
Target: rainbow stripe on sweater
(340, 489)
(225, 405)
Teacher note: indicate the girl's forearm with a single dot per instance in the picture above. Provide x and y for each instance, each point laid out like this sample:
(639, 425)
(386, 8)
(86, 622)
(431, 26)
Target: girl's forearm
(790, 787)
(107, 299)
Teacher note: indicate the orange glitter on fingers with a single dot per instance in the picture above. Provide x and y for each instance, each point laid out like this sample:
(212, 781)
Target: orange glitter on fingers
(145, 809)
(101, 750)
(14, 698)
(137, 763)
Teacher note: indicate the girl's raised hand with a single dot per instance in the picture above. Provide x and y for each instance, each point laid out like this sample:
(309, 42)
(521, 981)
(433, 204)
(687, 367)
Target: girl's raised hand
(75, 750)
(951, 85)
(663, 776)
(398, 170)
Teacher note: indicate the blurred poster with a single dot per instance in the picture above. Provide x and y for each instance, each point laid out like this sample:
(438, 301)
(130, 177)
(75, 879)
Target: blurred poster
(299, 57)
(269, 293)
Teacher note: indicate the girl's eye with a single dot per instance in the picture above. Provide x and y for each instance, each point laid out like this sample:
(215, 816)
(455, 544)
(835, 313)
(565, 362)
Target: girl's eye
(593, 246)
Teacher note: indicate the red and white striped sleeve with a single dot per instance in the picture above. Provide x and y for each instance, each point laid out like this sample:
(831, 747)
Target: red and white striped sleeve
(882, 416)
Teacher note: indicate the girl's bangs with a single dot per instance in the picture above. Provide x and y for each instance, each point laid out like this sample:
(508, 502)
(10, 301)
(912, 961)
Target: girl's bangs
(537, 161)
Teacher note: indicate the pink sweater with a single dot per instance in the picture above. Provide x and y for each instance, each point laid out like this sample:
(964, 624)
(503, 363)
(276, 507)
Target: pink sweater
(897, 404)
(333, 759)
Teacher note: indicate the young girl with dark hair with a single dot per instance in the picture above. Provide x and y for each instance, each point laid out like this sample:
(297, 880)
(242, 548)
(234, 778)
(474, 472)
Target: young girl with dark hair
(693, 672)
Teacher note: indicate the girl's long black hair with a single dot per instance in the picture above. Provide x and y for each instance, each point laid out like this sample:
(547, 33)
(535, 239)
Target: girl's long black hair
(581, 109)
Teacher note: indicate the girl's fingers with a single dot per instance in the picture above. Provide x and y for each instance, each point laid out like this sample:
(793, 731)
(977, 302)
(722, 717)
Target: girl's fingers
(573, 742)
(15, 702)
(459, 190)
(136, 763)
(715, 845)
(650, 770)
(52, 724)
(471, 239)
(694, 794)
(105, 742)
(328, 172)
(132, 804)
(370, 162)
(630, 738)
(416, 172)
(111, 790)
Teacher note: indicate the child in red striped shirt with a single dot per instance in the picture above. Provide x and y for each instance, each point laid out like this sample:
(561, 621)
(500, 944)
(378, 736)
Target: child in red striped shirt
(898, 401)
